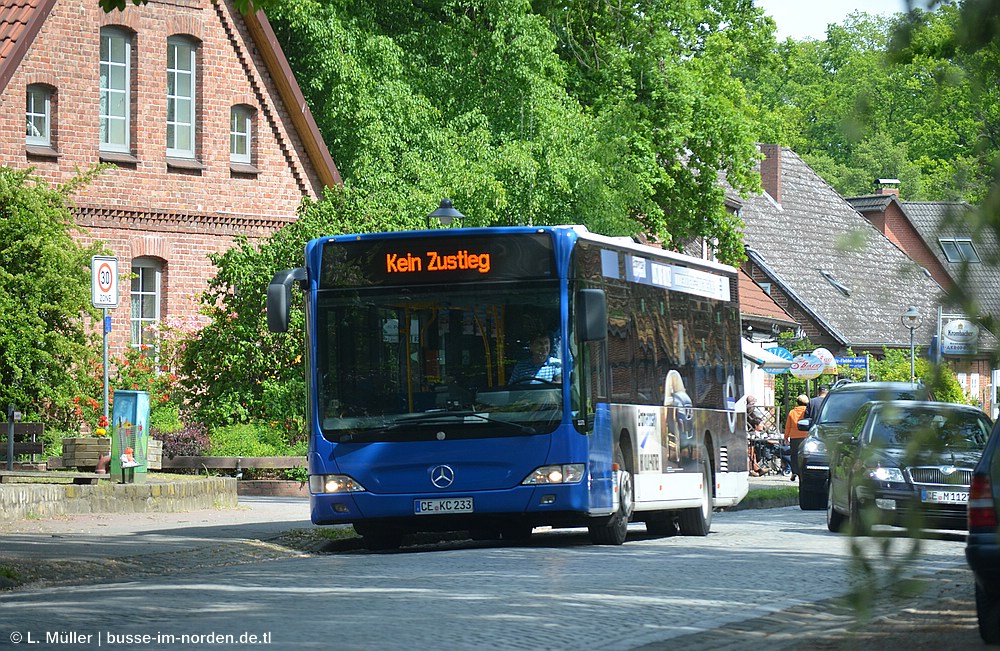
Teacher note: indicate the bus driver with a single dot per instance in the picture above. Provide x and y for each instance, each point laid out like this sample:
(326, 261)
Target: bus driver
(541, 367)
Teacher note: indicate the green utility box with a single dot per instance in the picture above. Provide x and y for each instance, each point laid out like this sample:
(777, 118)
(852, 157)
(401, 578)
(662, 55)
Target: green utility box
(130, 436)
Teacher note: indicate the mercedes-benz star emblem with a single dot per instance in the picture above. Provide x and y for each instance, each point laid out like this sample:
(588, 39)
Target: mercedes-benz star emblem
(442, 476)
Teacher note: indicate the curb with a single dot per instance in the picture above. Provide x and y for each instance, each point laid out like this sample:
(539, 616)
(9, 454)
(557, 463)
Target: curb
(19, 501)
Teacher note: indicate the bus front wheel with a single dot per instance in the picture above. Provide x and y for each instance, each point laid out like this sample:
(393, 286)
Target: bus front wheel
(615, 531)
(379, 538)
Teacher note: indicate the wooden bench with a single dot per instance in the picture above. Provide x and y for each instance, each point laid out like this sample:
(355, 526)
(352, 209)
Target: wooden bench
(231, 463)
(27, 439)
(9, 476)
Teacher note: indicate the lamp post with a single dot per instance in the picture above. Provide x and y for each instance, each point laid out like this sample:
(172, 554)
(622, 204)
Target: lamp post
(911, 320)
(445, 213)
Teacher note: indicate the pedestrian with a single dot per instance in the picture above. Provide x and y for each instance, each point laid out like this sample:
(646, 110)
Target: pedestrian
(812, 409)
(755, 423)
(793, 435)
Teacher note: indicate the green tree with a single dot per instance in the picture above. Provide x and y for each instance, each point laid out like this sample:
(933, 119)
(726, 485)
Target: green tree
(493, 105)
(885, 98)
(489, 105)
(233, 369)
(46, 349)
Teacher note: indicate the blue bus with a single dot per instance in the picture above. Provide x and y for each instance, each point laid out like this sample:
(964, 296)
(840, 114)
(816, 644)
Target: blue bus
(493, 380)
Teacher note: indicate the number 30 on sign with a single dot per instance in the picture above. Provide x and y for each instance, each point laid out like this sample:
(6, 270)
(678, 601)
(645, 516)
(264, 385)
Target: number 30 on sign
(104, 281)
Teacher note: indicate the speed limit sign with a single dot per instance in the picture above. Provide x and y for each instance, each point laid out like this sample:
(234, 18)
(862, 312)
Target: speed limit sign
(104, 281)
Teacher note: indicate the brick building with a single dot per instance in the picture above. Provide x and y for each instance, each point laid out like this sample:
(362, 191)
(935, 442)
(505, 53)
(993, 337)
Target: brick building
(198, 110)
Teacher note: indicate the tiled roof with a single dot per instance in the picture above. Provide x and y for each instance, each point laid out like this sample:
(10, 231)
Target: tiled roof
(937, 219)
(755, 302)
(20, 21)
(870, 202)
(832, 262)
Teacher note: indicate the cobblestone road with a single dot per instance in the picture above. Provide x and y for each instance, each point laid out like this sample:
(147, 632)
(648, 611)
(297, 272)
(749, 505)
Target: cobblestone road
(253, 542)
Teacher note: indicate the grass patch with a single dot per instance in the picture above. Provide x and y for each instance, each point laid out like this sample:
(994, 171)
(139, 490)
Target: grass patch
(774, 493)
(9, 573)
(334, 533)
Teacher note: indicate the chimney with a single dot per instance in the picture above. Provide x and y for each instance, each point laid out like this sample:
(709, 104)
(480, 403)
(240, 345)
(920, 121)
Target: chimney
(770, 171)
(881, 189)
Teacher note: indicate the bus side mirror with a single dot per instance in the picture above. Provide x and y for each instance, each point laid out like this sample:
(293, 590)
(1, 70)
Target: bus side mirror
(591, 314)
(279, 298)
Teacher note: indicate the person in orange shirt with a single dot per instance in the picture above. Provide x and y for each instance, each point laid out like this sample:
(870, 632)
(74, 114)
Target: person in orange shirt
(794, 436)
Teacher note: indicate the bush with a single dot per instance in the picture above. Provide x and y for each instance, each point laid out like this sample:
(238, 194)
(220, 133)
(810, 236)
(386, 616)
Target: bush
(249, 440)
(165, 419)
(192, 440)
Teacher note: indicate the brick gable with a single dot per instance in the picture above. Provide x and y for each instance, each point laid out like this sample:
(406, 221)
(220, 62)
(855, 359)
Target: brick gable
(174, 211)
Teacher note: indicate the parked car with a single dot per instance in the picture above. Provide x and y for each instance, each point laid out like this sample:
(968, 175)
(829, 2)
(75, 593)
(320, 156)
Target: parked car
(982, 546)
(905, 463)
(835, 414)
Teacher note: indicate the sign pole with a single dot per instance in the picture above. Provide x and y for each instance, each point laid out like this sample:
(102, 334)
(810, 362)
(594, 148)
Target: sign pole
(107, 329)
(104, 292)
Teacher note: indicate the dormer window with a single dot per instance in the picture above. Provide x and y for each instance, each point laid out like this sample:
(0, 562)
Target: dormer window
(839, 286)
(959, 250)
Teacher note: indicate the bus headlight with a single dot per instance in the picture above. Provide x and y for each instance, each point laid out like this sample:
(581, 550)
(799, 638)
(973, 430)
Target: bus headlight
(333, 484)
(567, 473)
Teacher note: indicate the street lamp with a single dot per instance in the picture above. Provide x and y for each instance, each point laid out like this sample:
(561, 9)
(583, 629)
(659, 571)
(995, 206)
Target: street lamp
(445, 213)
(911, 320)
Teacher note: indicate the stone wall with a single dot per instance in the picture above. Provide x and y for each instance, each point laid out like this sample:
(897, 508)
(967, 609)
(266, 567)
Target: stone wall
(18, 501)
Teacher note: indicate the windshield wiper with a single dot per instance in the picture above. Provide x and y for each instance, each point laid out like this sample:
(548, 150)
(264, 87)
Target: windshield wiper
(432, 417)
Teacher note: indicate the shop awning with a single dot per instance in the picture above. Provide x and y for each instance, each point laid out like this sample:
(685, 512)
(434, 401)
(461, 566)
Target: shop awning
(756, 354)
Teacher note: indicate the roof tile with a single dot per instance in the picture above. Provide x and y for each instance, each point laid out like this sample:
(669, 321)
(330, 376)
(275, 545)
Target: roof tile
(832, 259)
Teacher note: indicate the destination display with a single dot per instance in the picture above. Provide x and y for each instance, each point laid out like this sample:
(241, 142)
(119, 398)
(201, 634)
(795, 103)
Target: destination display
(404, 261)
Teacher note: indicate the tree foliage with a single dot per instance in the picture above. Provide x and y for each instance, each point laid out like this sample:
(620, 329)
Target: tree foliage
(233, 369)
(535, 113)
(45, 348)
(522, 114)
(897, 97)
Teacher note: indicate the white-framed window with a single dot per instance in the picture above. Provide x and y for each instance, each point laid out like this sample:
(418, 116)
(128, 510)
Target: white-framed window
(116, 93)
(38, 115)
(180, 98)
(240, 134)
(145, 296)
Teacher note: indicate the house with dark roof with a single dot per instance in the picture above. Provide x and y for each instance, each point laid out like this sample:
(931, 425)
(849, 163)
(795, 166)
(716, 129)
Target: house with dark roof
(946, 239)
(196, 109)
(843, 281)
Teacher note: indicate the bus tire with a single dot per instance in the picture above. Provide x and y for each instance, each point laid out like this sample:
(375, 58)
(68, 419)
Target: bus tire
(517, 532)
(485, 533)
(616, 530)
(698, 521)
(378, 538)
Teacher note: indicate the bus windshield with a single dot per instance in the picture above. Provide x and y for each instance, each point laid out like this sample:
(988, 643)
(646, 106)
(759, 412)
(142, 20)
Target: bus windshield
(399, 364)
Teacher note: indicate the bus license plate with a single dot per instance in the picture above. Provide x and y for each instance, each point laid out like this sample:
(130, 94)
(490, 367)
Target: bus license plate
(446, 505)
(945, 497)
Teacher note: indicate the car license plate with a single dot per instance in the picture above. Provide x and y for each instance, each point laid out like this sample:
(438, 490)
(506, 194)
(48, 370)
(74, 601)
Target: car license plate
(445, 505)
(945, 497)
